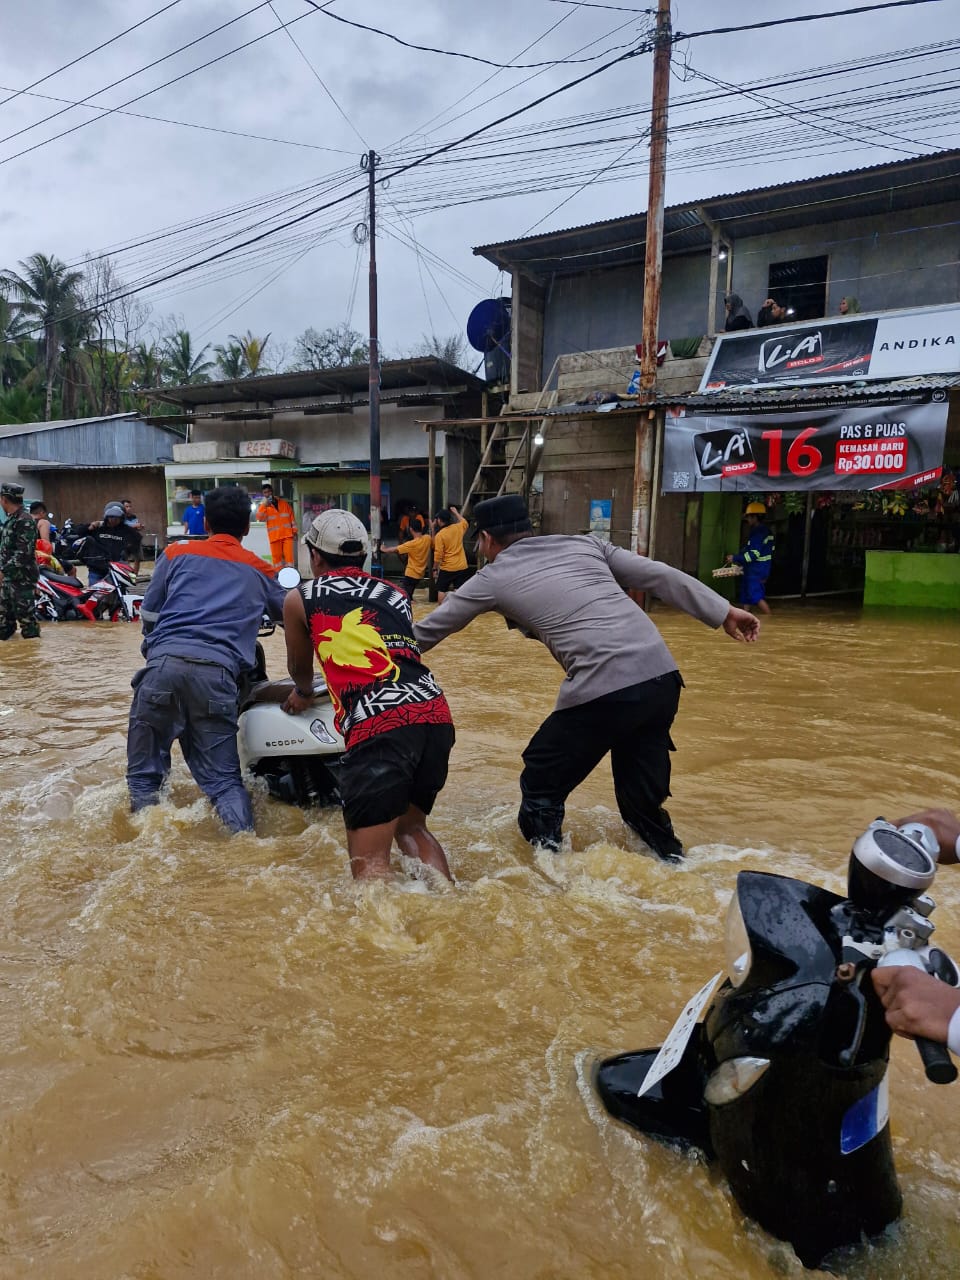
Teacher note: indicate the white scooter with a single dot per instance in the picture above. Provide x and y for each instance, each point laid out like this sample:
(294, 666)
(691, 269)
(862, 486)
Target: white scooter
(297, 755)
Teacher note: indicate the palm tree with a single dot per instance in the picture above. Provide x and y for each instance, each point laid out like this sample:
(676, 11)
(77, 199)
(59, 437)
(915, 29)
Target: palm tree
(15, 343)
(230, 360)
(253, 349)
(48, 289)
(183, 363)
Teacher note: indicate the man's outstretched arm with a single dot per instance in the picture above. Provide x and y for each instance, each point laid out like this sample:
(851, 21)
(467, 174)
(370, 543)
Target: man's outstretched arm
(459, 608)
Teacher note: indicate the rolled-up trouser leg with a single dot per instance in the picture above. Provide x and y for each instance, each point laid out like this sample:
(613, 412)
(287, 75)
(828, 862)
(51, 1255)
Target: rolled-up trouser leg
(564, 750)
(209, 743)
(156, 719)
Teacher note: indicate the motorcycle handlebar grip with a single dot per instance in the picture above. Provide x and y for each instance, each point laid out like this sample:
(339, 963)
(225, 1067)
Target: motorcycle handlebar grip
(937, 1063)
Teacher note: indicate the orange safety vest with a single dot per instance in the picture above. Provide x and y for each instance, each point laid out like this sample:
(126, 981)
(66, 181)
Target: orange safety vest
(279, 519)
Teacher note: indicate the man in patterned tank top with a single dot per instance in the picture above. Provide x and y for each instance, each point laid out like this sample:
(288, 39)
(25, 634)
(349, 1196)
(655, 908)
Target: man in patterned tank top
(391, 711)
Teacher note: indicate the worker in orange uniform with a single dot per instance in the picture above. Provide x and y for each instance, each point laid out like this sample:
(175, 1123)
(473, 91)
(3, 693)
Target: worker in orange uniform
(277, 514)
(449, 557)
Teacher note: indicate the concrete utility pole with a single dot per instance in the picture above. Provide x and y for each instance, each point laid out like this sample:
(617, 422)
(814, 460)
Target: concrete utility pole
(370, 164)
(643, 478)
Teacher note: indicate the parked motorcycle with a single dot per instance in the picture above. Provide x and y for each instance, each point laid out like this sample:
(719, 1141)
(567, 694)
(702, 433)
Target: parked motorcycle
(118, 597)
(784, 1082)
(62, 598)
(299, 755)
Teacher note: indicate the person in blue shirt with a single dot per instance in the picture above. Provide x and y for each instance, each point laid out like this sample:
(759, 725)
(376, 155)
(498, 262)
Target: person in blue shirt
(194, 515)
(756, 557)
(201, 615)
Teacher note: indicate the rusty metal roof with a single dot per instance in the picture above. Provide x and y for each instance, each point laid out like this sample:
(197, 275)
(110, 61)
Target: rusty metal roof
(853, 193)
(784, 397)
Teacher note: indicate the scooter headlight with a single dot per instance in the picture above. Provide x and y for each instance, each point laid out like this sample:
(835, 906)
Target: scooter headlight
(739, 955)
(733, 1078)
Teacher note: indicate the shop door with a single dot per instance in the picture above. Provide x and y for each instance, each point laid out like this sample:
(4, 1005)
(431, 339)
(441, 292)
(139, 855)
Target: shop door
(568, 497)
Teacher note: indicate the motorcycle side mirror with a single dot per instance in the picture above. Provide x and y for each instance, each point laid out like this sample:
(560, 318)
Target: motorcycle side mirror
(288, 578)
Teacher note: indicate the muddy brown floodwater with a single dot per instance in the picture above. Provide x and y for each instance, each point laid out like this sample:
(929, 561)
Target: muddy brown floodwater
(219, 1059)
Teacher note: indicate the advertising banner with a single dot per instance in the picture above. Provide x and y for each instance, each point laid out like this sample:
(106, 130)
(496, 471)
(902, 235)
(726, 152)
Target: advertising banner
(891, 344)
(849, 446)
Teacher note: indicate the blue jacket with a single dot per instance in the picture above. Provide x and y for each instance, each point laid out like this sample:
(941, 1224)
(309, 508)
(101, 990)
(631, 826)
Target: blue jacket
(756, 554)
(206, 600)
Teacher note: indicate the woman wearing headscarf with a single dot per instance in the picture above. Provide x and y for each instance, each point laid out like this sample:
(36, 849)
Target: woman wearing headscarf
(738, 317)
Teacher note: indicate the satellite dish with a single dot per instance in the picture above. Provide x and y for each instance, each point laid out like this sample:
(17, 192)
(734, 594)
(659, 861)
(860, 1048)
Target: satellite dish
(488, 326)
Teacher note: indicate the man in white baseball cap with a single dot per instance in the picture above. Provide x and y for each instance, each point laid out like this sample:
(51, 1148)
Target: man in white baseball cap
(389, 708)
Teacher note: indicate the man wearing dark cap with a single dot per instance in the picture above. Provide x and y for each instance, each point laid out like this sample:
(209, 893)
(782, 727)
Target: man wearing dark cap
(18, 566)
(622, 687)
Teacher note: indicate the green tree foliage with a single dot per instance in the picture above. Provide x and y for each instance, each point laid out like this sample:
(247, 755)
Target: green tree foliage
(47, 289)
(184, 363)
(230, 361)
(453, 348)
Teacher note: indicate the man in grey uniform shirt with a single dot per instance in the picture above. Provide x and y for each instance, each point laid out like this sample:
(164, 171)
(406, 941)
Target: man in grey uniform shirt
(622, 687)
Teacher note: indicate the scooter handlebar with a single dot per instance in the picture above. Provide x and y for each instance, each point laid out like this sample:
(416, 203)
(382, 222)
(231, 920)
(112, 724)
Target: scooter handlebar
(937, 1063)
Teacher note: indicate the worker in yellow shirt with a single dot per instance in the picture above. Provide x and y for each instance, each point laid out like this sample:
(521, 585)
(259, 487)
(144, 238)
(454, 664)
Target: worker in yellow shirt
(416, 552)
(449, 557)
(277, 514)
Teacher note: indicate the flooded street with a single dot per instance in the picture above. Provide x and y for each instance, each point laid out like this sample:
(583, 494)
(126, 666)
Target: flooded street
(218, 1058)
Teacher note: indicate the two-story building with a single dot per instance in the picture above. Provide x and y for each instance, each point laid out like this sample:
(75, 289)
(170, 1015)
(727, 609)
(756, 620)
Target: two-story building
(837, 252)
(308, 433)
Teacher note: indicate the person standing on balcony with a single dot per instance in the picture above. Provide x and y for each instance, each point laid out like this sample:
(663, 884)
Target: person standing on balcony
(281, 524)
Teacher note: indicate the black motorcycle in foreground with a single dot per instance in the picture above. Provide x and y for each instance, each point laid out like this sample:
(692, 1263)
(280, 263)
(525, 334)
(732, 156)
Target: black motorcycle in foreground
(784, 1082)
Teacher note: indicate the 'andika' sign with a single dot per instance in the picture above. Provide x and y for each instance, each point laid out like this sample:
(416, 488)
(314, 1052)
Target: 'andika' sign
(889, 344)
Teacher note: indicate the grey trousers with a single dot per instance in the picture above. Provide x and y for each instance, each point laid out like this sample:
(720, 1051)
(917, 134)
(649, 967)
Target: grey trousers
(196, 704)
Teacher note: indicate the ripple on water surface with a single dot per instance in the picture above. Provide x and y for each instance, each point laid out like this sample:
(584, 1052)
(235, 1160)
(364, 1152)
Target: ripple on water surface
(219, 1057)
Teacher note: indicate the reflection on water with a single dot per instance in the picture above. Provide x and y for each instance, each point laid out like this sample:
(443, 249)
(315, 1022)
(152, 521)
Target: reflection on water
(219, 1058)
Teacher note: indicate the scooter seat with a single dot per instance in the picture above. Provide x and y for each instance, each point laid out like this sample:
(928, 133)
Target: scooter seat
(277, 691)
(63, 578)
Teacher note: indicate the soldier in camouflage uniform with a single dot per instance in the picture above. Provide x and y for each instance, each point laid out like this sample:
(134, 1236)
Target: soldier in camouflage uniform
(18, 566)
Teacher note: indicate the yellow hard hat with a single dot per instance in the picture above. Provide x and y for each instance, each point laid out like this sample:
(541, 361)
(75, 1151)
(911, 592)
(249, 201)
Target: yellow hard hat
(755, 509)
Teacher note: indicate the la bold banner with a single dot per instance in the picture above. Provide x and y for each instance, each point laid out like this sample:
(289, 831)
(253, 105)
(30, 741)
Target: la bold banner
(850, 446)
(891, 344)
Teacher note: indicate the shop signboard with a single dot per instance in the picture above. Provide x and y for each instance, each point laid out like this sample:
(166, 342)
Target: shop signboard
(890, 344)
(830, 446)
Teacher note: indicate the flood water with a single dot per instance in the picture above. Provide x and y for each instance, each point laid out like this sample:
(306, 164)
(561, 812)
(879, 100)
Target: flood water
(218, 1058)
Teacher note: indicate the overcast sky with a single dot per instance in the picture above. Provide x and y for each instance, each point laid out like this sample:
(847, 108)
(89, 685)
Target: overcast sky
(121, 178)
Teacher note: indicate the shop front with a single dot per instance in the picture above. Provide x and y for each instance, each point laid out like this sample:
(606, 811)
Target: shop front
(861, 490)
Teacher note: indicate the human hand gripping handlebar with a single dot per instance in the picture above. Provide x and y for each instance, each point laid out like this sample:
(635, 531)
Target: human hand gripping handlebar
(937, 1063)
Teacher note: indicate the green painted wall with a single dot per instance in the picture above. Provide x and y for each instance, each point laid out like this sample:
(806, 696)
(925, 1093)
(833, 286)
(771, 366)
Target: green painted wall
(912, 580)
(719, 536)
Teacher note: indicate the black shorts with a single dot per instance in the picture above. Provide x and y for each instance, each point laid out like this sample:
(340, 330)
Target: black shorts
(381, 778)
(409, 585)
(448, 579)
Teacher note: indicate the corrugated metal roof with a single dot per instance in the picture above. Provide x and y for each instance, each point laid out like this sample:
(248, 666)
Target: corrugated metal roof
(875, 189)
(29, 467)
(784, 397)
(395, 375)
(28, 428)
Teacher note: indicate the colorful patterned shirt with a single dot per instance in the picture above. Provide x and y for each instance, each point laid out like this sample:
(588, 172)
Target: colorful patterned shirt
(361, 629)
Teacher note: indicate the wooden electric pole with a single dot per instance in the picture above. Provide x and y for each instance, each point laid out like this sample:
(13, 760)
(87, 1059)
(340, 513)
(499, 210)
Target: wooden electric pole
(643, 479)
(370, 164)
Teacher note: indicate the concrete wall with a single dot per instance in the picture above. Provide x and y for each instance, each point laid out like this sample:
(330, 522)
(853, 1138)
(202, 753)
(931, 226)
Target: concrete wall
(329, 438)
(900, 260)
(906, 259)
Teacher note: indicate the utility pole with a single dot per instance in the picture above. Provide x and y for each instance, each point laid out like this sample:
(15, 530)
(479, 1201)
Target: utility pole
(643, 479)
(369, 163)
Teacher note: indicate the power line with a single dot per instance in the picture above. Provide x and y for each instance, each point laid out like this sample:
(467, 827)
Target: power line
(183, 124)
(316, 74)
(176, 79)
(803, 17)
(89, 53)
(450, 53)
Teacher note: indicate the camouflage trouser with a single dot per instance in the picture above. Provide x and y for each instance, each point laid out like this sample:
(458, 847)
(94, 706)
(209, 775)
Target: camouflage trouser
(18, 604)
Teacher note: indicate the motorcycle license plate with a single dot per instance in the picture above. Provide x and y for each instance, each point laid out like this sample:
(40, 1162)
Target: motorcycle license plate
(672, 1049)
